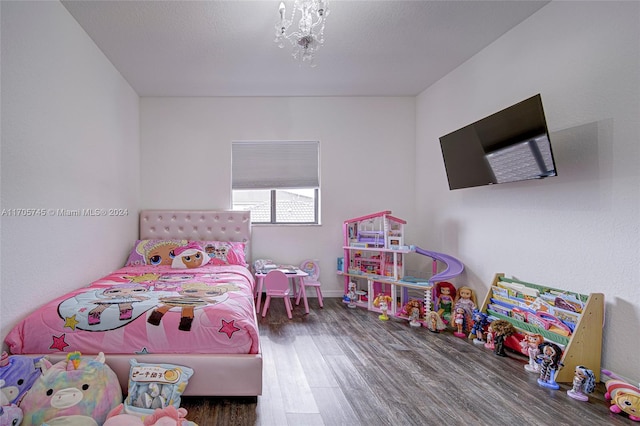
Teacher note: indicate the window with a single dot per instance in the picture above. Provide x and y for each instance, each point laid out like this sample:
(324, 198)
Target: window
(277, 180)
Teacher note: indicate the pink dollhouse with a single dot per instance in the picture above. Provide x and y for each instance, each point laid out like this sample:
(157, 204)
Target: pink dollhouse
(374, 252)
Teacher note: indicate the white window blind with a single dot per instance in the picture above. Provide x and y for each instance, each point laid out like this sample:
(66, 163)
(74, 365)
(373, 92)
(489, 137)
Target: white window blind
(274, 164)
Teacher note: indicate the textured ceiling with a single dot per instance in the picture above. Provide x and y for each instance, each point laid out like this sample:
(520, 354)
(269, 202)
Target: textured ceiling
(226, 48)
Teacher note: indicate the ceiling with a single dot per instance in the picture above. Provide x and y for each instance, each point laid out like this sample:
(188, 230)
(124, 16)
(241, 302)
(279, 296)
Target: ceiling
(226, 48)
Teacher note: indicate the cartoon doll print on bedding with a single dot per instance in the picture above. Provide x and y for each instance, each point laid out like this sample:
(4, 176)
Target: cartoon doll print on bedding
(109, 308)
(192, 295)
(101, 309)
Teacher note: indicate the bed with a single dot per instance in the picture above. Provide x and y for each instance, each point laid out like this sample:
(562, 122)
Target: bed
(158, 310)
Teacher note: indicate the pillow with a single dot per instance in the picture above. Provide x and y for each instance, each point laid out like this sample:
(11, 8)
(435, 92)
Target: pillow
(163, 252)
(154, 386)
(224, 252)
(189, 256)
(154, 252)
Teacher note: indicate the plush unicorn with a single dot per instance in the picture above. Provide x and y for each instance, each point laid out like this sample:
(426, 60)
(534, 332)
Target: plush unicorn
(18, 373)
(77, 392)
(10, 414)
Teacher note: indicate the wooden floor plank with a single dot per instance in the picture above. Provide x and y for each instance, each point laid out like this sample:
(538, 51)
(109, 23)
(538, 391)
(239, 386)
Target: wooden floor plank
(292, 378)
(334, 407)
(314, 366)
(339, 366)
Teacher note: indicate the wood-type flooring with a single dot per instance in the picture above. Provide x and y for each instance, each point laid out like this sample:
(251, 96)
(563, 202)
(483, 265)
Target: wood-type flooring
(341, 366)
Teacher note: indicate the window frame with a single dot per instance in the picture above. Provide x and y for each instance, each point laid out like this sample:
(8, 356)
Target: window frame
(245, 159)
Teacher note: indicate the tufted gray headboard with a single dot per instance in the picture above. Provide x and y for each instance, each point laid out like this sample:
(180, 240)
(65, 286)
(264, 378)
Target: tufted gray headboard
(209, 225)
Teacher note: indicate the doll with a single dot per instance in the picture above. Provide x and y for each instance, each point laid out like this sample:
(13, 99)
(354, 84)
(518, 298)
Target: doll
(479, 323)
(382, 302)
(584, 382)
(414, 318)
(530, 344)
(459, 321)
(490, 342)
(434, 322)
(445, 294)
(414, 310)
(351, 295)
(465, 299)
(549, 360)
(501, 330)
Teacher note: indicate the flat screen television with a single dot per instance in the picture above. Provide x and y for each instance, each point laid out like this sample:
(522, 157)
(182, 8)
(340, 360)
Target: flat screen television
(508, 146)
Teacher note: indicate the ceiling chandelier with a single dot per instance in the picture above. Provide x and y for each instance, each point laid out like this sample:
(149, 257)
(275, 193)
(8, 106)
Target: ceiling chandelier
(309, 35)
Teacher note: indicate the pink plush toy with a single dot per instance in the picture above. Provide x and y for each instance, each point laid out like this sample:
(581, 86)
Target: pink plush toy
(169, 416)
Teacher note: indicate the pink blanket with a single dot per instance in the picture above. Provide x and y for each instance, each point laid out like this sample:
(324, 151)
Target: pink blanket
(148, 309)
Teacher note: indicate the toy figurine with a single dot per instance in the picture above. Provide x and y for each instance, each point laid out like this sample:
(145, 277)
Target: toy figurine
(530, 344)
(584, 382)
(414, 318)
(459, 320)
(501, 330)
(414, 310)
(351, 295)
(490, 344)
(479, 323)
(624, 396)
(549, 360)
(445, 294)
(434, 322)
(465, 299)
(382, 302)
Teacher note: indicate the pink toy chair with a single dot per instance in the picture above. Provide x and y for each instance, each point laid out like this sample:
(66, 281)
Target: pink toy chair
(276, 284)
(312, 268)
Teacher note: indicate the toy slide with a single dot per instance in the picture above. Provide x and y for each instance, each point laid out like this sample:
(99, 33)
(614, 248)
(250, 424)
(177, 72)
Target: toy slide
(454, 266)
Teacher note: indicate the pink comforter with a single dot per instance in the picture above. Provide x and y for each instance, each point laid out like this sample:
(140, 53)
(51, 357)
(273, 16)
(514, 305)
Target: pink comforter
(148, 309)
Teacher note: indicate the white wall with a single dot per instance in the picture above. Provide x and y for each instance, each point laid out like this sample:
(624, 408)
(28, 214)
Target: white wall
(70, 132)
(366, 150)
(579, 230)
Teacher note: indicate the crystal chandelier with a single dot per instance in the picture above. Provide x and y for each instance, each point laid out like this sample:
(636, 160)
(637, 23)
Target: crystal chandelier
(309, 36)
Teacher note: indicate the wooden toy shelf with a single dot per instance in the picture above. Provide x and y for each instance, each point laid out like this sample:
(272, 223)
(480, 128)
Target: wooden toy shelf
(582, 347)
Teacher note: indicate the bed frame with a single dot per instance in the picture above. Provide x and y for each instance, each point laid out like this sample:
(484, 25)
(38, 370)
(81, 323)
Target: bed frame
(214, 375)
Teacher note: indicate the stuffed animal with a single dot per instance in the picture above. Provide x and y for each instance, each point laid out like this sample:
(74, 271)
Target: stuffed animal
(18, 373)
(169, 416)
(10, 414)
(79, 391)
(624, 396)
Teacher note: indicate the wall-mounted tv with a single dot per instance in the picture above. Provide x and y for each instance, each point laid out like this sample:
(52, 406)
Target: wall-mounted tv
(508, 146)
